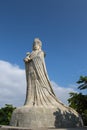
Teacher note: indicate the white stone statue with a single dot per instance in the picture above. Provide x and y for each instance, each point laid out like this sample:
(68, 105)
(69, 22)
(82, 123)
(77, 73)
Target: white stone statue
(39, 89)
(42, 108)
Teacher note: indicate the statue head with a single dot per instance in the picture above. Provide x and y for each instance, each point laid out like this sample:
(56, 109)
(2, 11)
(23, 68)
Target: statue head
(37, 44)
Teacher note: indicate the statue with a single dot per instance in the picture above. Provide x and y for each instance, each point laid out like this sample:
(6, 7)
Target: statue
(39, 89)
(42, 108)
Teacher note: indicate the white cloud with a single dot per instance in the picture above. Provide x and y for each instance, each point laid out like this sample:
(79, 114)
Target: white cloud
(13, 86)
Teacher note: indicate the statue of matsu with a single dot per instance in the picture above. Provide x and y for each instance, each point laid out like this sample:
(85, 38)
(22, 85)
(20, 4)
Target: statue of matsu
(42, 108)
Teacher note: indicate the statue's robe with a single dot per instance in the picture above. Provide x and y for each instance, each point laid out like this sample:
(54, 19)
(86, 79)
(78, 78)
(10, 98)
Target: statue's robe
(39, 89)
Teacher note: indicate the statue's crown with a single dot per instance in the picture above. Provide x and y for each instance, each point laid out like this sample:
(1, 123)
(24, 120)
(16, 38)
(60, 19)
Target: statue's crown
(38, 40)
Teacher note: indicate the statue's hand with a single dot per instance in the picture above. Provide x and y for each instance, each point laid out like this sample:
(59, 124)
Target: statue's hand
(26, 60)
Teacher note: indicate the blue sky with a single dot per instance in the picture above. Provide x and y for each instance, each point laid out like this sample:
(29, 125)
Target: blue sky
(60, 24)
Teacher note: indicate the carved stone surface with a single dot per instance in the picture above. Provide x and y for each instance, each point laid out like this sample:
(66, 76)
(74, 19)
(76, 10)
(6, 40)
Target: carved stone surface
(42, 108)
(44, 117)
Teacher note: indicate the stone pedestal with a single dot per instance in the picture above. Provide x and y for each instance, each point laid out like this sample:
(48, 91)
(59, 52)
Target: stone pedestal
(32, 117)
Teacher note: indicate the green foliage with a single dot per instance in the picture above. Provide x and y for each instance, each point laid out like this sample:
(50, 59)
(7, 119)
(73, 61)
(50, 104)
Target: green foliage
(79, 103)
(83, 82)
(5, 114)
(84, 116)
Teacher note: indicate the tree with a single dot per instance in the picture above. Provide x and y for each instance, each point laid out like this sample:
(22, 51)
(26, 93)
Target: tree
(5, 114)
(83, 82)
(79, 103)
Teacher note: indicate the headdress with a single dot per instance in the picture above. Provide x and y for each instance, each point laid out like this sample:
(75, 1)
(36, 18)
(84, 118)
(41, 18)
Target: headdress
(38, 41)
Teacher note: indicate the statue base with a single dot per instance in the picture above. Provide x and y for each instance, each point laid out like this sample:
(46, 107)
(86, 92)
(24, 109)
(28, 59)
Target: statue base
(36, 117)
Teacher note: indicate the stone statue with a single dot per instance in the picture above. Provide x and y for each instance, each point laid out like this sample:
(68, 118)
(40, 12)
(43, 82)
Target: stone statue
(42, 108)
(39, 89)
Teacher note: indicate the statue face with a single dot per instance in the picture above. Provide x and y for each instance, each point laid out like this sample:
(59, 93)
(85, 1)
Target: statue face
(36, 45)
